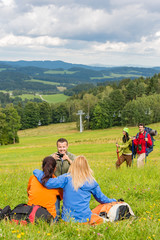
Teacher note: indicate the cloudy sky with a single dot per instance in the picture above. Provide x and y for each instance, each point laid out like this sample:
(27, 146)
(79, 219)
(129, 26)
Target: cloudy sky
(105, 32)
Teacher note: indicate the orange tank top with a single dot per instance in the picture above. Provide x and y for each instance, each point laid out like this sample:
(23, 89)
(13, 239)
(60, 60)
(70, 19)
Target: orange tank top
(39, 195)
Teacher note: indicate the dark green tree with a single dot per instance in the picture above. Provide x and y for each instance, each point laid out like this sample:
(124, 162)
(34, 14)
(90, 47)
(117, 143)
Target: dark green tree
(31, 113)
(45, 113)
(116, 103)
(12, 123)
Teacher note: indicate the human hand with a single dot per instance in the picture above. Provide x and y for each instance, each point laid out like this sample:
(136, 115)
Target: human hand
(65, 157)
(55, 156)
(146, 139)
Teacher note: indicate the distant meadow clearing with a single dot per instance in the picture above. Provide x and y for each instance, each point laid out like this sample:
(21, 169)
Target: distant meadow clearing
(140, 188)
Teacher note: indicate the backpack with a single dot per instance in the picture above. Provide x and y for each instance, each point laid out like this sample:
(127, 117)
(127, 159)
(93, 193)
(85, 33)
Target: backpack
(24, 214)
(152, 133)
(114, 211)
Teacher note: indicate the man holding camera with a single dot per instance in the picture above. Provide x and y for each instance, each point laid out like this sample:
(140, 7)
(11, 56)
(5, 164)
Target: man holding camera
(63, 161)
(142, 141)
(63, 157)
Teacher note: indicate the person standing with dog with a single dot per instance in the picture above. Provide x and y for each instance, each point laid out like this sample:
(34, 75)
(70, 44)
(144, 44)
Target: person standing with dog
(142, 141)
(126, 148)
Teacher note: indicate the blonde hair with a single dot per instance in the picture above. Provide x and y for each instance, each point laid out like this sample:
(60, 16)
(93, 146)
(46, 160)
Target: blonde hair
(80, 172)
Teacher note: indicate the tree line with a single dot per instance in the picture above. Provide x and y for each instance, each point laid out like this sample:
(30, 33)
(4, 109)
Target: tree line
(126, 102)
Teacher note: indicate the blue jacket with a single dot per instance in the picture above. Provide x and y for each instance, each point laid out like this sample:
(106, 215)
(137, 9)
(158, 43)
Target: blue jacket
(75, 203)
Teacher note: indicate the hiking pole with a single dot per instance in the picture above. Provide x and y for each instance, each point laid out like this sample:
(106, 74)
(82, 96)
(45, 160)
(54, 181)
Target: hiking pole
(118, 155)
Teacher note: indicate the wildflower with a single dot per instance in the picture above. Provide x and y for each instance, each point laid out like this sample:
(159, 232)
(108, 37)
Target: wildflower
(48, 234)
(158, 219)
(19, 236)
(13, 231)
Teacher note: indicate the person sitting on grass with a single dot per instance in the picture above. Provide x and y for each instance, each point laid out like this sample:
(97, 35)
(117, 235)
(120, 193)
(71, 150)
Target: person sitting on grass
(78, 185)
(38, 194)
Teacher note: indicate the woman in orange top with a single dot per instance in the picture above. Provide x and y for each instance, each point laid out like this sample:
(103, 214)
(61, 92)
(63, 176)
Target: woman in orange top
(38, 194)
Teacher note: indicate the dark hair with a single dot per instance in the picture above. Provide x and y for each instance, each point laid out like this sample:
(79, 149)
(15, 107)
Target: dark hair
(141, 124)
(48, 166)
(62, 140)
(125, 137)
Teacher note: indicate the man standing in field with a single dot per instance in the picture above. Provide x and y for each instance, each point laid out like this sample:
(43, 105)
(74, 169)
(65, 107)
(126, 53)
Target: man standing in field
(63, 157)
(142, 141)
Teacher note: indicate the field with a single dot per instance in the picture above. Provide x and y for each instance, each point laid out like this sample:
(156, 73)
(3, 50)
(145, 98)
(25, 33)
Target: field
(44, 82)
(116, 75)
(55, 98)
(59, 72)
(138, 187)
(52, 98)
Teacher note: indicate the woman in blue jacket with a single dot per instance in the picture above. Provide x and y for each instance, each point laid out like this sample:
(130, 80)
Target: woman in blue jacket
(78, 185)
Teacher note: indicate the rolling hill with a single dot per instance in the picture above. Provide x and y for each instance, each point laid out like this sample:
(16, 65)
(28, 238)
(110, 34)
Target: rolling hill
(40, 75)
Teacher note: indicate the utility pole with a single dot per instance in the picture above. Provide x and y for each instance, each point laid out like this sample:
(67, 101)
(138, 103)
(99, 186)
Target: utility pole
(80, 113)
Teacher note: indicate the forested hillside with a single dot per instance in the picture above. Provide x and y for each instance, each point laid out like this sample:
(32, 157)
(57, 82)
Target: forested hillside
(126, 102)
(48, 76)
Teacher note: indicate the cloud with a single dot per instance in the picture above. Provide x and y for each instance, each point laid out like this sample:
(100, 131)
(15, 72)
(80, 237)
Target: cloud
(45, 41)
(85, 27)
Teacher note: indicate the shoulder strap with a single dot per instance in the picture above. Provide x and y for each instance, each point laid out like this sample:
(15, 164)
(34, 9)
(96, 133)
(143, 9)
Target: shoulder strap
(146, 134)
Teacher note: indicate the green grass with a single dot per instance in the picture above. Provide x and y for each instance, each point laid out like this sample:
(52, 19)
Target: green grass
(139, 187)
(44, 82)
(59, 72)
(115, 75)
(2, 69)
(55, 98)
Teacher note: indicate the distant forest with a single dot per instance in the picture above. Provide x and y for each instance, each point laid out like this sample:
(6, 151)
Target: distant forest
(126, 102)
(48, 76)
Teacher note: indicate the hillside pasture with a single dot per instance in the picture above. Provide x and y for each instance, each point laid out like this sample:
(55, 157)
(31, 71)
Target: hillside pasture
(55, 98)
(138, 187)
(59, 72)
(44, 82)
(50, 98)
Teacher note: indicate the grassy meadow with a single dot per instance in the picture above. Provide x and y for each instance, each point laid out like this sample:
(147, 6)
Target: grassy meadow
(55, 98)
(51, 98)
(140, 188)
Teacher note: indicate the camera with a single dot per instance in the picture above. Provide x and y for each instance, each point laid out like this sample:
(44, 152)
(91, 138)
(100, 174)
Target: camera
(60, 155)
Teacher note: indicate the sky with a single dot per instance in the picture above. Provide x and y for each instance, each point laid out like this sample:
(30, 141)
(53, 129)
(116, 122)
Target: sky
(91, 32)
